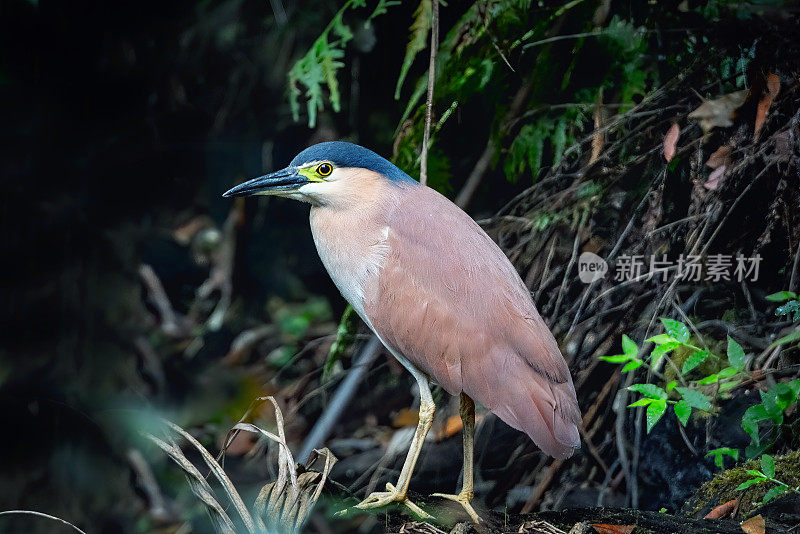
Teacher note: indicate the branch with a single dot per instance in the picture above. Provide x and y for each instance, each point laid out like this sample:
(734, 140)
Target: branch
(423, 168)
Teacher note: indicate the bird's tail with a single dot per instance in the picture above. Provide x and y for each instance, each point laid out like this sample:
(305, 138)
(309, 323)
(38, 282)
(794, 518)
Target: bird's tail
(546, 411)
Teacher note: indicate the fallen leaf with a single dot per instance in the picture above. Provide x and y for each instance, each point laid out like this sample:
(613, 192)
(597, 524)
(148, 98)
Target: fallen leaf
(670, 140)
(723, 510)
(772, 90)
(720, 157)
(715, 178)
(754, 525)
(453, 425)
(720, 111)
(405, 417)
(613, 529)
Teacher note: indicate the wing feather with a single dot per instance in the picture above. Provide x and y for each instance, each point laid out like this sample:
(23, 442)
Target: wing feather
(451, 303)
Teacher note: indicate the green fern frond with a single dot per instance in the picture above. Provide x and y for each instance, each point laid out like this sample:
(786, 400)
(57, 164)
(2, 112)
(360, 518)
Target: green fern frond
(417, 41)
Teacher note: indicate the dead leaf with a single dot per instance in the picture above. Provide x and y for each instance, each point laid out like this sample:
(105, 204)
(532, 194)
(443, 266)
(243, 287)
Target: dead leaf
(719, 112)
(670, 141)
(754, 525)
(772, 90)
(720, 157)
(613, 529)
(715, 178)
(405, 417)
(453, 425)
(723, 510)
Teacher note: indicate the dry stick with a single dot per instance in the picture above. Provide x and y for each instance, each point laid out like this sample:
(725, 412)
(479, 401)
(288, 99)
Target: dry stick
(423, 167)
(40, 514)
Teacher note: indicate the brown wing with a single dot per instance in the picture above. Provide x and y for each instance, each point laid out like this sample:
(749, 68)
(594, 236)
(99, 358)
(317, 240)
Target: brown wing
(450, 302)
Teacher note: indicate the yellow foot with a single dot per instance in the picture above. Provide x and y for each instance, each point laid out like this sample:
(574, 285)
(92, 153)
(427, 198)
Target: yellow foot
(463, 499)
(382, 498)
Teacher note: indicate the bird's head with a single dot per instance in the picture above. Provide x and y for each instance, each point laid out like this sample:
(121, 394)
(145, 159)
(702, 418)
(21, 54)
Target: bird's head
(323, 173)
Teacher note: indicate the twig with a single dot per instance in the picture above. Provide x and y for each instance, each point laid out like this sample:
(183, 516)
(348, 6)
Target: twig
(40, 514)
(341, 398)
(423, 168)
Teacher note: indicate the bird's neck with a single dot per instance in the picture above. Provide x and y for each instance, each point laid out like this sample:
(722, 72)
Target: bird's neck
(351, 235)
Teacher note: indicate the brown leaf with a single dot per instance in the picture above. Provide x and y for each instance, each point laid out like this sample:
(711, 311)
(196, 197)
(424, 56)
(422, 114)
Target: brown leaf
(720, 157)
(720, 111)
(613, 529)
(453, 425)
(772, 90)
(405, 417)
(754, 525)
(715, 178)
(723, 510)
(670, 140)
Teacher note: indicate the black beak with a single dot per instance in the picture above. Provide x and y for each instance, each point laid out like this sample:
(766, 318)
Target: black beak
(284, 180)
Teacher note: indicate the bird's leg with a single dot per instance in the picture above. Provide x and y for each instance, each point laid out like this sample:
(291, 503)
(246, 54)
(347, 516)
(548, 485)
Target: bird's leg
(397, 492)
(467, 411)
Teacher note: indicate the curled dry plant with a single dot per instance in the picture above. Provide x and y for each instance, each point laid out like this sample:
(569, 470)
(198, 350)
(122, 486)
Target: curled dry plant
(283, 505)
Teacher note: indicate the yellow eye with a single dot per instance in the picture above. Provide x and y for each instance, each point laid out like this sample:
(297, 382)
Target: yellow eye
(324, 169)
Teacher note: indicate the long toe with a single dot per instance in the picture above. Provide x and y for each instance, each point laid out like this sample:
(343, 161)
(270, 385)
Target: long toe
(464, 500)
(379, 499)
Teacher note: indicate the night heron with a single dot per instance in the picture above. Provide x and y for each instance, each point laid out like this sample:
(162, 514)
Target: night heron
(439, 294)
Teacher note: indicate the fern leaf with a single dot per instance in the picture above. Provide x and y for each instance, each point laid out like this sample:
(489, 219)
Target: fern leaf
(417, 40)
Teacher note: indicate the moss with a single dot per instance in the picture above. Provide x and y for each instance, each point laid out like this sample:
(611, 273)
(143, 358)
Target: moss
(722, 487)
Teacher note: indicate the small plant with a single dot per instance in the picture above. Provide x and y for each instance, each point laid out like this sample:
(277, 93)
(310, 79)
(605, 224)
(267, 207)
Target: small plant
(691, 393)
(720, 453)
(791, 309)
(763, 422)
(764, 476)
(772, 409)
(792, 306)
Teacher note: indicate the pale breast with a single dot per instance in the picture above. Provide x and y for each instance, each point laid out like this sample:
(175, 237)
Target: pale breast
(353, 245)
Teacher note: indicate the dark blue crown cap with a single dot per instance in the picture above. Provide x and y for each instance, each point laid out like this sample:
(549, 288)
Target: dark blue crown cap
(344, 154)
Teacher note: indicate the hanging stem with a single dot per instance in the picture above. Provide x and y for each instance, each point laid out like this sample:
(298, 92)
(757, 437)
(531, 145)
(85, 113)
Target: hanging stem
(423, 170)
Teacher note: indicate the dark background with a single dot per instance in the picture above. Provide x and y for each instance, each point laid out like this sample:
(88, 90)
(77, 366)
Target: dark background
(122, 124)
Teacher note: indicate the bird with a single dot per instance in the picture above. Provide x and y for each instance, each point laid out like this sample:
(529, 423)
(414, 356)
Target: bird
(439, 294)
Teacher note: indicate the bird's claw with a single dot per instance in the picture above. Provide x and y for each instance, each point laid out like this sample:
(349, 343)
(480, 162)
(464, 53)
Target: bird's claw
(379, 499)
(463, 499)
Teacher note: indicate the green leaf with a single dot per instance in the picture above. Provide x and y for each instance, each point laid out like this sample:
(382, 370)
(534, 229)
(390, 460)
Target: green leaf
(663, 349)
(769, 399)
(629, 347)
(735, 354)
(660, 339)
(780, 296)
(682, 411)
(655, 410)
(720, 452)
(774, 493)
(694, 360)
(768, 465)
(695, 399)
(417, 41)
(617, 358)
(631, 365)
(649, 390)
(671, 385)
(752, 416)
(727, 372)
(676, 329)
(710, 379)
(641, 402)
(747, 484)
